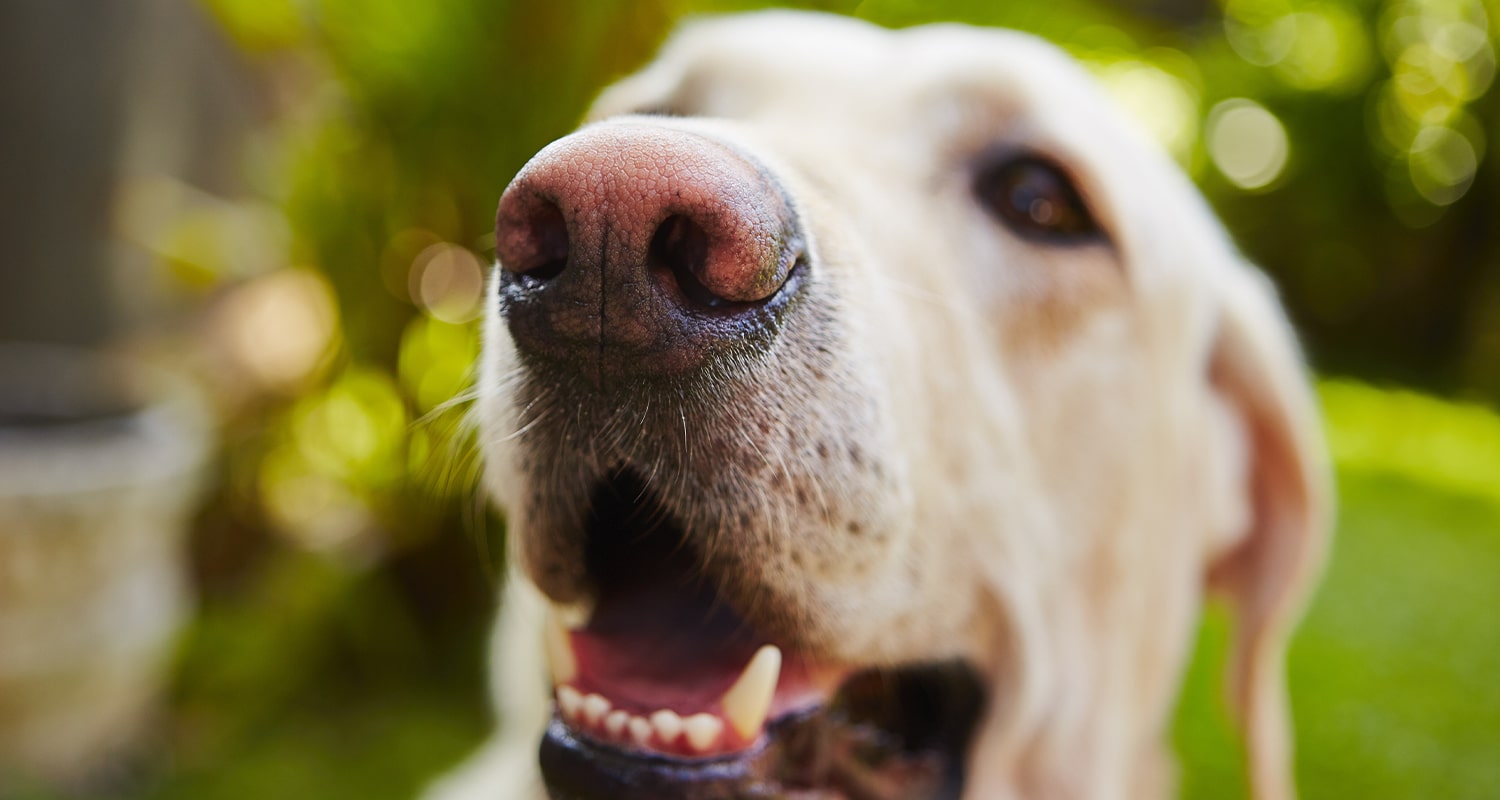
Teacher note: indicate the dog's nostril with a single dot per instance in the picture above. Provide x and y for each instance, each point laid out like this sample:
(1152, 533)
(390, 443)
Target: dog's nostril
(532, 238)
(719, 270)
(680, 246)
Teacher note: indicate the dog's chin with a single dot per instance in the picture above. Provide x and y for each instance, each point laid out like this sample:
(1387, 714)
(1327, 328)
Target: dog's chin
(667, 691)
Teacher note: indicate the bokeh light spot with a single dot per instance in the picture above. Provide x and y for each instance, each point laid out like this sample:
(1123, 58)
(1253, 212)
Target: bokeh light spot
(311, 509)
(447, 281)
(1247, 143)
(1329, 52)
(435, 360)
(355, 429)
(1165, 106)
(279, 327)
(1442, 165)
(1260, 31)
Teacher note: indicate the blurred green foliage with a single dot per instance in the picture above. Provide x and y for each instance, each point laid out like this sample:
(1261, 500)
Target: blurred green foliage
(346, 565)
(1343, 143)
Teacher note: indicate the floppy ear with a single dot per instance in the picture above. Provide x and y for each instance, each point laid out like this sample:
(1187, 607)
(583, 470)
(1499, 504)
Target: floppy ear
(1257, 371)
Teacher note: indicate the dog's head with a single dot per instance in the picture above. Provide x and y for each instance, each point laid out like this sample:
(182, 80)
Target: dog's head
(828, 360)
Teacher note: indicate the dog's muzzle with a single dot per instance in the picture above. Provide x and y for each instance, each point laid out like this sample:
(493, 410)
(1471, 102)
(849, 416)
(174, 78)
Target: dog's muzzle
(640, 263)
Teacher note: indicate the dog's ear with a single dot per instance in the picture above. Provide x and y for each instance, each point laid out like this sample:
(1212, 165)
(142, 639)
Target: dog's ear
(1257, 373)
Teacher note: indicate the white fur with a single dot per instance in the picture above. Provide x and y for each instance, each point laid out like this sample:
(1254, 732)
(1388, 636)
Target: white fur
(1080, 442)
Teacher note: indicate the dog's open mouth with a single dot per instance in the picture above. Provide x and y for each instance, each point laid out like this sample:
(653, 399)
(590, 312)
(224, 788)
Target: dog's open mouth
(665, 691)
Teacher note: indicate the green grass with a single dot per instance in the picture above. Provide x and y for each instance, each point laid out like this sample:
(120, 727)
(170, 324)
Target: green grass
(1394, 672)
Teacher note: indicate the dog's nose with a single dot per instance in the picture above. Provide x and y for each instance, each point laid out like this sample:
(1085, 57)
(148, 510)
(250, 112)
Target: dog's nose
(629, 248)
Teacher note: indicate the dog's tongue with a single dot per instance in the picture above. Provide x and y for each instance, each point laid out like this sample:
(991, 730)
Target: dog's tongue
(667, 666)
(648, 650)
(680, 648)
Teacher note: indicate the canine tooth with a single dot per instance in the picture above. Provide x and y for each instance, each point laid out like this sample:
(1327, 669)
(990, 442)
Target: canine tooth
(748, 701)
(702, 731)
(667, 724)
(570, 700)
(560, 658)
(595, 706)
(640, 730)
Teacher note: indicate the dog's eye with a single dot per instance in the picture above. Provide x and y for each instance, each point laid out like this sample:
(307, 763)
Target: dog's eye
(1035, 198)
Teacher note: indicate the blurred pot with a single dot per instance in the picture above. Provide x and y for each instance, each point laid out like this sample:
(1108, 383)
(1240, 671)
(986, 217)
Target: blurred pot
(99, 468)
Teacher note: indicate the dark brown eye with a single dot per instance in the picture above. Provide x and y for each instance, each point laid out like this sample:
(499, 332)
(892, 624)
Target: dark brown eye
(1036, 199)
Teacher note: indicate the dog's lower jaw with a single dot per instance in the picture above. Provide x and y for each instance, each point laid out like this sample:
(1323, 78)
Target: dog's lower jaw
(1008, 759)
(999, 769)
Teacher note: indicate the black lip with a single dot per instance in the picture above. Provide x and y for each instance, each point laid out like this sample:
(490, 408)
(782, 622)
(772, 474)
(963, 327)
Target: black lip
(579, 768)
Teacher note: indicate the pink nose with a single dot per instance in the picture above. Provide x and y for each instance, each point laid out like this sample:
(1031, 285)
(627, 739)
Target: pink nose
(628, 248)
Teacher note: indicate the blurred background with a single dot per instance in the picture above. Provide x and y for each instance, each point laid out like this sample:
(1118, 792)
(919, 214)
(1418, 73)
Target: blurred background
(246, 241)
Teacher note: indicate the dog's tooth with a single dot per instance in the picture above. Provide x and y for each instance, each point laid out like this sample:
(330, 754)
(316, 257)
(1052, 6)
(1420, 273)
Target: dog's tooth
(615, 722)
(640, 730)
(702, 731)
(748, 701)
(595, 707)
(570, 700)
(667, 724)
(560, 658)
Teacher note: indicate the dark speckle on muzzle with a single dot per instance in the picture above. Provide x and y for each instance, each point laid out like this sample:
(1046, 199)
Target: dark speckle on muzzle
(631, 250)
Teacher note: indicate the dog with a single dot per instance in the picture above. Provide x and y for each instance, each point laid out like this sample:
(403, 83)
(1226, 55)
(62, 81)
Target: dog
(873, 412)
